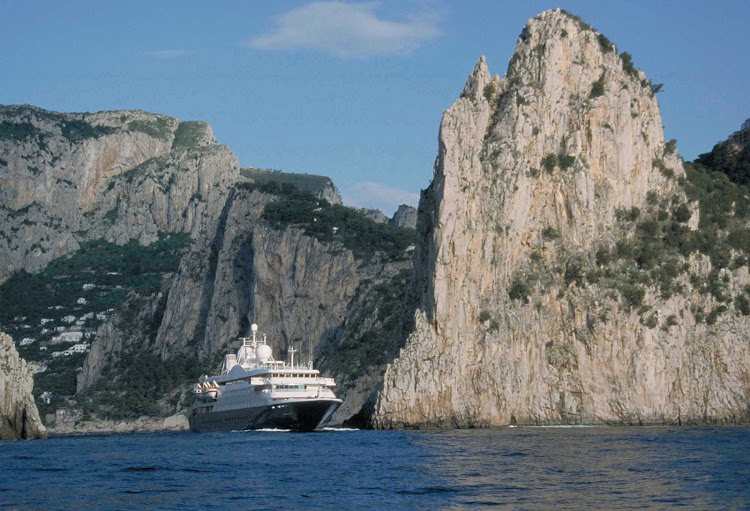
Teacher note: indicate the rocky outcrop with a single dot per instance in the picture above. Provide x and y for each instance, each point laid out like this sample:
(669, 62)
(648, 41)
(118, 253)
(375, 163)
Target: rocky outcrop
(66, 178)
(145, 424)
(19, 417)
(374, 214)
(320, 186)
(533, 175)
(405, 216)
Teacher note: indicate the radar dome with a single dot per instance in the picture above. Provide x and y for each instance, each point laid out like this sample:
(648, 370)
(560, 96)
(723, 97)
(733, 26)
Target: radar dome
(263, 352)
(254, 327)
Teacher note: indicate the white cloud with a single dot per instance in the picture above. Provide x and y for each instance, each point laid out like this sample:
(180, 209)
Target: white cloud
(387, 199)
(346, 30)
(169, 54)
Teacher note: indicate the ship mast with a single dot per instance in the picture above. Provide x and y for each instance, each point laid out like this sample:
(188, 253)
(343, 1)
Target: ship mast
(292, 351)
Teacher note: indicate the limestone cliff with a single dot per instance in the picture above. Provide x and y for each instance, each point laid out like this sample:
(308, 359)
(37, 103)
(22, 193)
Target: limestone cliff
(19, 417)
(123, 175)
(130, 175)
(517, 316)
(293, 286)
(300, 291)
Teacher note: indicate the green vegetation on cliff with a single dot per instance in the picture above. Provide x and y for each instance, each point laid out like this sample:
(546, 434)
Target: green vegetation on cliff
(274, 178)
(656, 255)
(369, 334)
(654, 250)
(156, 128)
(335, 223)
(113, 269)
(729, 160)
(137, 384)
(189, 134)
(73, 129)
(16, 130)
(35, 305)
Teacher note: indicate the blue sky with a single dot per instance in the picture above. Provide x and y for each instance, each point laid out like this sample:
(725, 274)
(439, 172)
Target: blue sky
(350, 90)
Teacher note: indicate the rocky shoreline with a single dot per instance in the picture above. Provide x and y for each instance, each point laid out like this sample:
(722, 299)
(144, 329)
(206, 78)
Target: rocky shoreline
(19, 417)
(177, 422)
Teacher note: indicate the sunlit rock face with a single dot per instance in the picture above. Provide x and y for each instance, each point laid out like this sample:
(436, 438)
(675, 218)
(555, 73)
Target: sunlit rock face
(123, 175)
(19, 417)
(532, 172)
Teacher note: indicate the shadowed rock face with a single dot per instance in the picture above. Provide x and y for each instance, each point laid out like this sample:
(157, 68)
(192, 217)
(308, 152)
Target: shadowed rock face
(241, 272)
(531, 173)
(19, 417)
(405, 216)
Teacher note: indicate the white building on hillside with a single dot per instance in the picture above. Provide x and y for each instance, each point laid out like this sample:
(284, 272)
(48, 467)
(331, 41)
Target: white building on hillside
(67, 337)
(71, 336)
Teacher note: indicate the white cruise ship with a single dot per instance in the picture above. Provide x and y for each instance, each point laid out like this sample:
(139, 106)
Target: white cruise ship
(254, 391)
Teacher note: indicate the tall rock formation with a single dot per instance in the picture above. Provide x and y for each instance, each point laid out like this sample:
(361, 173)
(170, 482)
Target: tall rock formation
(515, 316)
(19, 417)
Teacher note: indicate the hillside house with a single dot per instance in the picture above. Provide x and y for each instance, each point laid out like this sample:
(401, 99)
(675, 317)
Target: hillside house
(67, 337)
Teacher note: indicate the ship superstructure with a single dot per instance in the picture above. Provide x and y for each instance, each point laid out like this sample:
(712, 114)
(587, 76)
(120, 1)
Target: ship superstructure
(254, 391)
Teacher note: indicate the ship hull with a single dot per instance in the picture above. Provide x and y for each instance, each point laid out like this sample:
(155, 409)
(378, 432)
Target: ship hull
(303, 415)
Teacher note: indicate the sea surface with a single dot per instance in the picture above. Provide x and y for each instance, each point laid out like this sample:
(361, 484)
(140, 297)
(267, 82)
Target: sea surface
(505, 468)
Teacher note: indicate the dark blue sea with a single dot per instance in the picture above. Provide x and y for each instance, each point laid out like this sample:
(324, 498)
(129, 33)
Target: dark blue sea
(507, 468)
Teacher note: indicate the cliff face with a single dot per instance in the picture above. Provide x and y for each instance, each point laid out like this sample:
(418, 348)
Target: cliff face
(534, 175)
(65, 178)
(19, 417)
(130, 175)
(290, 284)
(242, 271)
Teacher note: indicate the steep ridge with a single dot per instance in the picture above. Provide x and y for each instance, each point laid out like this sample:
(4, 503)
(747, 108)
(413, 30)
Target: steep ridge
(526, 308)
(19, 417)
(67, 178)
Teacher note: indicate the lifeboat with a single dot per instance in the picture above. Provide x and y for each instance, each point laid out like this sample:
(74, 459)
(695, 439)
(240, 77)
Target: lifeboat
(206, 391)
(211, 391)
(198, 391)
